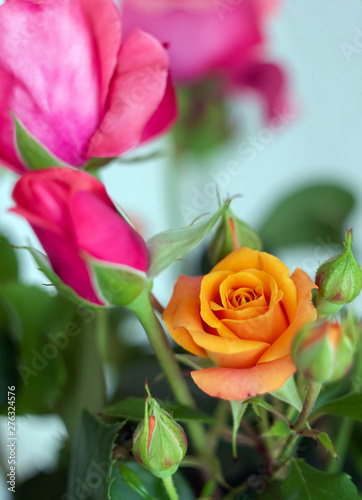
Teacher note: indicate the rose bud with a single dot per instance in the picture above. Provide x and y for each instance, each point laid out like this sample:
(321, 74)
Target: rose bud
(159, 443)
(82, 232)
(231, 45)
(325, 352)
(78, 85)
(339, 280)
(231, 234)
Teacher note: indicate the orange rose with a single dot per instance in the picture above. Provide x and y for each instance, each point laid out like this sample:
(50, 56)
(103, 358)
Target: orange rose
(243, 316)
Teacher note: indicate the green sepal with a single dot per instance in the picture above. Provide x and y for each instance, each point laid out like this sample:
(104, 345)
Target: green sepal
(44, 266)
(326, 441)
(289, 394)
(34, 155)
(238, 408)
(230, 235)
(170, 246)
(118, 286)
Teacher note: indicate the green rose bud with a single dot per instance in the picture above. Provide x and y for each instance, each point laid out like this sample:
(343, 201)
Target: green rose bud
(159, 443)
(232, 234)
(325, 352)
(339, 280)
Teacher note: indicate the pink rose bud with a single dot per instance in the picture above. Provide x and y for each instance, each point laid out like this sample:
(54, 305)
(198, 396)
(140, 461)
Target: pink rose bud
(77, 85)
(230, 44)
(339, 280)
(79, 227)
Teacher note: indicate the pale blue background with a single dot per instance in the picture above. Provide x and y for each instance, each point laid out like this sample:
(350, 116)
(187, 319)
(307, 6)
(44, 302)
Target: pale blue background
(323, 143)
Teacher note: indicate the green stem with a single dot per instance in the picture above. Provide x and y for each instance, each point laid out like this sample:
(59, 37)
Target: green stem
(313, 391)
(173, 178)
(101, 328)
(221, 415)
(264, 428)
(85, 368)
(346, 428)
(170, 488)
(166, 357)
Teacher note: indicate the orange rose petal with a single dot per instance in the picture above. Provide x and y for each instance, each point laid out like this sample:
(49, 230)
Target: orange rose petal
(245, 359)
(306, 313)
(236, 281)
(265, 327)
(185, 289)
(223, 345)
(238, 384)
(183, 338)
(218, 283)
(246, 259)
(241, 315)
(209, 292)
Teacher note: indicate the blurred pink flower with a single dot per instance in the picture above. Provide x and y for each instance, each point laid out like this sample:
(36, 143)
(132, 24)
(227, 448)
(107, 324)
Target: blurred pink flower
(75, 221)
(214, 37)
(77, 85)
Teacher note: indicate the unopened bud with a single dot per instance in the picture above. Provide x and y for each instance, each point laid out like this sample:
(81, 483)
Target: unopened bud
(232, 234)
(159, 443)
(325, 352)
(339, 280)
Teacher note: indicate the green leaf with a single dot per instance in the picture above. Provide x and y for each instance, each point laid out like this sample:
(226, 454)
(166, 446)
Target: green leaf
(135, 482)
(168, 247)
(208, 490)
(289, 394)
(346, 406)
(34, 155)
(120, 490)
(37, 323)
(273, 491)
(313, 214)
(306, 483)
(8, 367)
(118, 286)
(91, 461)
(280, 428)
(238, 408)
(85, 369)
(8, 262)
(327, 443)
(134, 409)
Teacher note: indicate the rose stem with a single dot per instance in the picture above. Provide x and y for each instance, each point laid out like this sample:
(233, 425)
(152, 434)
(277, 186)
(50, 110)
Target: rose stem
(166, 357)
(267, 441)
(170, 488)
(346, 428)
(313, 391)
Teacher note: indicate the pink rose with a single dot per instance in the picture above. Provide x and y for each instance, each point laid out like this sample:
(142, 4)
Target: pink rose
(75, 221)
(268, 7)
(77, 85)
(208, 37)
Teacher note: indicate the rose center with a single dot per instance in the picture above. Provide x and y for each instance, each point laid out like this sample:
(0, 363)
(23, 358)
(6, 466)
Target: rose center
(240, 298)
